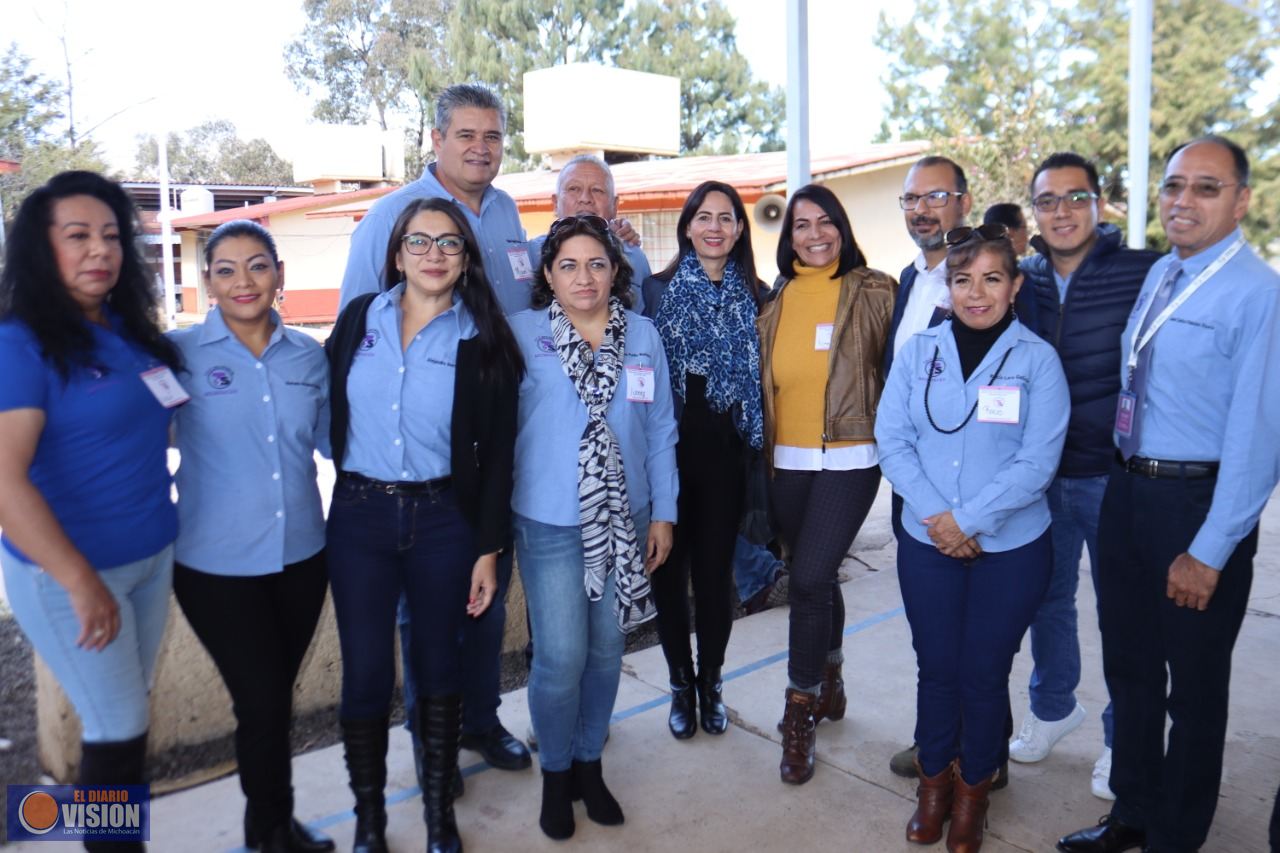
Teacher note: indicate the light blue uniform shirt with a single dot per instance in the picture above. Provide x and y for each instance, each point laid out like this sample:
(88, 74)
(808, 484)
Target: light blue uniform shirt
(1063, 283)
(401, 401)
(552, 419)
(248, 503)
(497, 229)
(1213, 387)
(992, 476)
(635, 256)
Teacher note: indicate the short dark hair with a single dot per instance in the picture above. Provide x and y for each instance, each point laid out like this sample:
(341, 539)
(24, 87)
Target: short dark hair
(1005, 213)
(962, 183)
(1067, 160)
(960, 256)
(463, 95)
(32, 289)
(741, 252)
(850, 255)
(581, 226)
(240, 228)
(1239, 158)
(497, 344)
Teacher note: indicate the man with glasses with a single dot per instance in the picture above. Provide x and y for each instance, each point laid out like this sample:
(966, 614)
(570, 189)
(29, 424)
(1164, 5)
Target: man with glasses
(1196, 424)
(1084, 281)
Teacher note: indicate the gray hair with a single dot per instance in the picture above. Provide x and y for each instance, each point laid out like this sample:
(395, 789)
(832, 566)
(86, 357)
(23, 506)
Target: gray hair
(578, 160)
(467, 95)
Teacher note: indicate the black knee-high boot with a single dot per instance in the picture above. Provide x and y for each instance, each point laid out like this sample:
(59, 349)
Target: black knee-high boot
(365, 745)
(440, 723)
(121, 762)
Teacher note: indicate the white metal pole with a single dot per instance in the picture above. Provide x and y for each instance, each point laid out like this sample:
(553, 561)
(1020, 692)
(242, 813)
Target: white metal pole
(166, 234)
(1140, 24)
(797, 95)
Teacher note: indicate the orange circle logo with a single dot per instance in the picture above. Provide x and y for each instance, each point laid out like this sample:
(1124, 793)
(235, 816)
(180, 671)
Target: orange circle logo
(38, 812)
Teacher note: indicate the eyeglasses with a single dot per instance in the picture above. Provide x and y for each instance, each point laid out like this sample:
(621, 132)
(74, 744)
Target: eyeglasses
(963, 234)
(597, 223)
(1200, 188)
(418, 243)
(1076, 200)
(935, 199)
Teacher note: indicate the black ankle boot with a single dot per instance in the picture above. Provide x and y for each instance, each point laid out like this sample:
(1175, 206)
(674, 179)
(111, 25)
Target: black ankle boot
(715, 717)
(440, 722)
(556, 819)
(291, 836)
(120, 762)
(601, 806)
(683, 719)
(365, 746)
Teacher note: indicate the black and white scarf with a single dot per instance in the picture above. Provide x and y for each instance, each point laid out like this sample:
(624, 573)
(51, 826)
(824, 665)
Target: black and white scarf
(604, 513)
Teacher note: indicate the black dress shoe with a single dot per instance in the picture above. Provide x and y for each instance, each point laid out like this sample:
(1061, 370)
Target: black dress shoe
(298, 836)
(1109, 836)
(499, 748)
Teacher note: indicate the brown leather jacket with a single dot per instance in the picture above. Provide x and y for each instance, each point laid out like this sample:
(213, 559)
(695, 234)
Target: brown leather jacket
(855, 363)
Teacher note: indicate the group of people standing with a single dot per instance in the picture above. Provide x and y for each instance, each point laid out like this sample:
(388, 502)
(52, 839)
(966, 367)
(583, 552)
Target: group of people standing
(488, 401)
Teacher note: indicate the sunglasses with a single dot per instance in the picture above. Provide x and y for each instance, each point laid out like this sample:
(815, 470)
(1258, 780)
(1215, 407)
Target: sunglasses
(1076, 200)
(596, 223)
(963, 234)
(1200, 188)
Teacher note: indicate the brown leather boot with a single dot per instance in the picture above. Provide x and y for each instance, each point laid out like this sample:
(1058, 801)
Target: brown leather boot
(799, 736)
(968, 815)
(933, 805)
(831, 699)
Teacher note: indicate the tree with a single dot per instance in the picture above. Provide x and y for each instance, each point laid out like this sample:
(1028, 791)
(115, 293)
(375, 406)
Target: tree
(212, 153)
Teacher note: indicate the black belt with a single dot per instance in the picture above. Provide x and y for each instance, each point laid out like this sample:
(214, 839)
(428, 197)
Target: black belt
(1167, 468)
(421, 487)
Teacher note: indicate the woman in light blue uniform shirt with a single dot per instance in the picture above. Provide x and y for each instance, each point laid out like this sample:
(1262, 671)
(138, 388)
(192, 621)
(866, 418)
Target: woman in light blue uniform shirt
(594, 500)
(969, 430)
(250, 573)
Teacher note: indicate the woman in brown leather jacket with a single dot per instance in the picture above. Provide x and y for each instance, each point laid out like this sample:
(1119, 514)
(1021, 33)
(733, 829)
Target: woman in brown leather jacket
(822, 340)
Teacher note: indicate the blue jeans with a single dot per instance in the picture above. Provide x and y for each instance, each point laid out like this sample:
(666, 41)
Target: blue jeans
(108, 688)
(1076, 505)
(754, 567)
(967, 620)
(577, 646)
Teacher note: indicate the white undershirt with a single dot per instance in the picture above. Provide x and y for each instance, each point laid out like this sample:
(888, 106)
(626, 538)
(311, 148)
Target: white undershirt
(927, 294)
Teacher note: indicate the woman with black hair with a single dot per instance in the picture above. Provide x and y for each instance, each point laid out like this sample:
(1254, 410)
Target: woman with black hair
(424, 378)
(822, 339)
(85, 408)
(704, 305)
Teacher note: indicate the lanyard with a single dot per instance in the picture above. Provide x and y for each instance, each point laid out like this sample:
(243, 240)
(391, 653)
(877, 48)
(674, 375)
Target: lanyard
(1136, 345)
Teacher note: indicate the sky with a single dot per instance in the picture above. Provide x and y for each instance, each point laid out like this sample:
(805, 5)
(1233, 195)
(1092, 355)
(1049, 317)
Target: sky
(139, 65)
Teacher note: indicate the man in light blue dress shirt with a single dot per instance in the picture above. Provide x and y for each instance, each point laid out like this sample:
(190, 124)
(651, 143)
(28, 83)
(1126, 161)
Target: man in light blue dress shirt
(1196, 426)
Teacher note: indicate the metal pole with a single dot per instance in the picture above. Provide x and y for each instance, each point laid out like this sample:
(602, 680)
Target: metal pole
(166, 235)
(1140, 23)
(797, 95)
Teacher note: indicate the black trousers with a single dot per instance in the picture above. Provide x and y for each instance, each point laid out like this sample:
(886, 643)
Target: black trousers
(709, 455)
(257, 630)
(818, 513)
(1145, 524)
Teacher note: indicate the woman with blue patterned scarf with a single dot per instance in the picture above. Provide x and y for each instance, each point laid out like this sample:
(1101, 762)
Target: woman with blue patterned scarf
(704, 304)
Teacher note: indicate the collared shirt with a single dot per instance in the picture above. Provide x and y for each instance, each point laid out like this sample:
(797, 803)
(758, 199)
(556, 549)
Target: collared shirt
(635, 256)
(100, 463)
(402, 399)
(1213, 387)
(1063, 282)
(991, 476)
(497, 229)
(552, 419)
(927, 294)
(248, 503)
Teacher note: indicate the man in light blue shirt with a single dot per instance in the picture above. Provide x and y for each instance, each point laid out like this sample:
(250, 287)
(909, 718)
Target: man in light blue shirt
(1196, 427)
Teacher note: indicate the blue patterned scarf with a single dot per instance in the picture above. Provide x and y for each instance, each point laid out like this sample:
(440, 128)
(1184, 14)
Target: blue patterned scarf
(711, 331)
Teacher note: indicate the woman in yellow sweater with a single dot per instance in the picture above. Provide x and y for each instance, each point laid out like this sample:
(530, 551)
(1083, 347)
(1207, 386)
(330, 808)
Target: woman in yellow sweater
(822, 340)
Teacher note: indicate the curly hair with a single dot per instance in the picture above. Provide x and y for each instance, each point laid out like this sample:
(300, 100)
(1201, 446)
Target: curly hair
(581, 226)
(33, 292)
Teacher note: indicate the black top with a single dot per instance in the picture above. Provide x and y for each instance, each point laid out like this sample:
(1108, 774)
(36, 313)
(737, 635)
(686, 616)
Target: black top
(974, 344)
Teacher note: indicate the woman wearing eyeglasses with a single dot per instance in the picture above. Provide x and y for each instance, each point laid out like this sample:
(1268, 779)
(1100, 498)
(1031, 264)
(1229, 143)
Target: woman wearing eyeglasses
(594, 501)
(822, 342)
(423, 396)
(970, 430)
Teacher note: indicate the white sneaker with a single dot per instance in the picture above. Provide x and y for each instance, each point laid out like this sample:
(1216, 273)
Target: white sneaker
(1036, 737)
(1102, 777)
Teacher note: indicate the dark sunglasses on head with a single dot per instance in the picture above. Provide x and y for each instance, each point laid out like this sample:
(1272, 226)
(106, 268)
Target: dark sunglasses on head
(963, 234)
(598, 223)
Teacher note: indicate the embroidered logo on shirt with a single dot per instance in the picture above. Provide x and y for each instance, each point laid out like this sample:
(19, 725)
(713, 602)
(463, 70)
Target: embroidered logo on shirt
(546, 344)
(369, 341)
(220, 378)
(934, 367)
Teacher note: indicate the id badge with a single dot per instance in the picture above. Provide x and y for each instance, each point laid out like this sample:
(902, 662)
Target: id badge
(520, 266)
(1126, 406)
(164, 386)
(999, 404)
(822, 336)
(639, 384)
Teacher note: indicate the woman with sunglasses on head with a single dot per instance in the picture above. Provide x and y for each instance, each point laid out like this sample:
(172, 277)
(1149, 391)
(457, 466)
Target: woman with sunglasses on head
(822, 341)
(704, 305)
(594, 501)
(251, 526)
(970, 430)
(423, 395)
